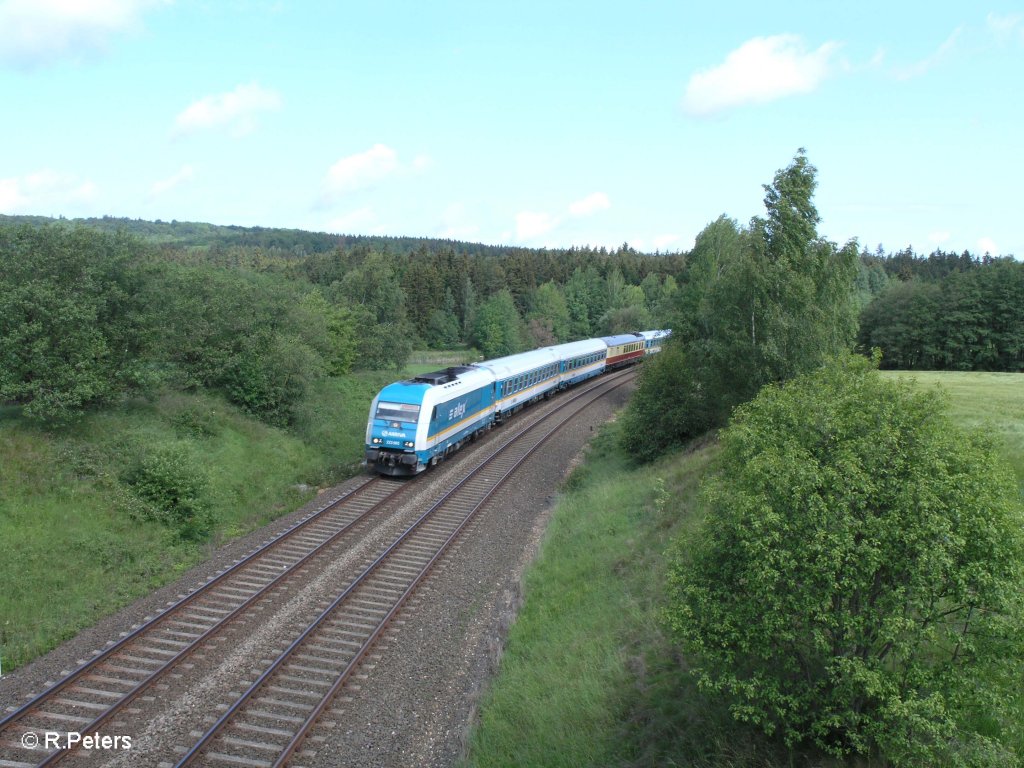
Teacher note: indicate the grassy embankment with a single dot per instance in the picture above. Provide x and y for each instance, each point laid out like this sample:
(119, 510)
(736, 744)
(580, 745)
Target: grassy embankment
(588, 677)
(73, 545)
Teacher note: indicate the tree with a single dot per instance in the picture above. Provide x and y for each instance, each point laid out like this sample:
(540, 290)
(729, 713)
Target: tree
(499, 328)
(761, 305)
(550, 312)
(71, 330)
(858, 579)
(585, 296)
(442, 328)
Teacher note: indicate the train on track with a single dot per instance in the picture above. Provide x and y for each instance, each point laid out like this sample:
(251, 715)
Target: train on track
(416, 423)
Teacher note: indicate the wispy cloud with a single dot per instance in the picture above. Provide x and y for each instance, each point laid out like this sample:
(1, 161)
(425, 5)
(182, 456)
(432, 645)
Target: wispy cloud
(454, 224)
(1006, 28)
(759, 71)
(43, 191)
(988, 245)
(590, 204)
(184, 174)
(235, 110)
(662, 242)
(364, 170)
(359, 221)
(929, 62)
(37, 33)
(531, 225)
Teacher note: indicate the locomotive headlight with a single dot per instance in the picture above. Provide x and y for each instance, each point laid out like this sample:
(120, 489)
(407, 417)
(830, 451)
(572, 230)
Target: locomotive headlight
(376, 441)
(407, 444)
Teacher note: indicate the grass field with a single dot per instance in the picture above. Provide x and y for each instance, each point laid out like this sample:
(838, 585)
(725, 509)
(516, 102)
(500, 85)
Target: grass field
(588, 677)
(993, 402)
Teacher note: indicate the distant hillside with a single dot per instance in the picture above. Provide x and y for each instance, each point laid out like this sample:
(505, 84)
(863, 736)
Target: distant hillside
(298, 242)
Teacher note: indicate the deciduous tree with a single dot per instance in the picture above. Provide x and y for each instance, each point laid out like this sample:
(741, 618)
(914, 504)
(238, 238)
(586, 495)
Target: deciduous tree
(858, 580)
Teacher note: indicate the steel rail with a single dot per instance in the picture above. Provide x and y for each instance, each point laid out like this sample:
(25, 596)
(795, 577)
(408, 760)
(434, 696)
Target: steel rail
(601, 389)
(29, 708)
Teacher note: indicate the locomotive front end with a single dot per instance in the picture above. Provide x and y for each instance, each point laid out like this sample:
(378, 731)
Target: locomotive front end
(392, 429)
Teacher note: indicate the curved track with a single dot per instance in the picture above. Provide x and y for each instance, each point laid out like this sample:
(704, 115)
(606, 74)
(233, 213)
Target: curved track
(269, 722)
(95, 692)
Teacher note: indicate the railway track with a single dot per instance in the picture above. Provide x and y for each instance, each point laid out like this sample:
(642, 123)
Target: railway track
(267, 725)
(94, 693)
(98, 693)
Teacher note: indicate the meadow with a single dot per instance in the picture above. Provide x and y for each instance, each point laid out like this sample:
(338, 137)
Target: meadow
(993, 402)
(588, 677)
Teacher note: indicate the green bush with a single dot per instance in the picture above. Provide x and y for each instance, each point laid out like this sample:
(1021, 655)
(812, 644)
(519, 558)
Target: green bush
(858, 583)
(174, 489)
(70, 331)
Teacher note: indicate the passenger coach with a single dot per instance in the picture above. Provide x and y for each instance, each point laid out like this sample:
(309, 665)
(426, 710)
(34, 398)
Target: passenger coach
(653, 341)
(623, 350)
(521, 379)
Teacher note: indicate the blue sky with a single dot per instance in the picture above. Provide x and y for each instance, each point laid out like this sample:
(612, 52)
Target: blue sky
(529, 123)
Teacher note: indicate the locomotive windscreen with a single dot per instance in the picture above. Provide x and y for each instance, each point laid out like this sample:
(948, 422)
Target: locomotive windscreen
(397, 412)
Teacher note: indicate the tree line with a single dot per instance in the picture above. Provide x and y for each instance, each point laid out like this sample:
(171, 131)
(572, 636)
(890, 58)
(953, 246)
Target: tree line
(89, 316)
(948, 313)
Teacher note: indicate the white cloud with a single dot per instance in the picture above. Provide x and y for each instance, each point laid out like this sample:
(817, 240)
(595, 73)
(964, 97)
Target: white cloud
(235, 109)
(938, 238)
(43, 191)
(931, 61)
(598, 201)
(988, 245)
(454, 225)
(365, 170)
(34, 33)
(531, 224)
(184, 174)
(360, 221)
(759, 71)
(662, 242)
(1006, 28)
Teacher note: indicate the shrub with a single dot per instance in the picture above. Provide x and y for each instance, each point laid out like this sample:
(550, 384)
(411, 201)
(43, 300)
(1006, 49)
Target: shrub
(173, 487)
(858, 583)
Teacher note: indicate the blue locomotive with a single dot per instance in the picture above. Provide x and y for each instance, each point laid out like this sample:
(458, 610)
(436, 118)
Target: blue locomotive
(416, 423)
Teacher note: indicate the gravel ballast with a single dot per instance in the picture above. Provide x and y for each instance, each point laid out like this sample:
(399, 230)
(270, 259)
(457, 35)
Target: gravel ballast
(414, 699)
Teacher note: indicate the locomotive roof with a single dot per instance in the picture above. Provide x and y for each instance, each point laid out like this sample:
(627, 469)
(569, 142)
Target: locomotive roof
(445, 376)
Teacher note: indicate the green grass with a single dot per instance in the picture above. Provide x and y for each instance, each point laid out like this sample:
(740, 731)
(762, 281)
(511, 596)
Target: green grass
(74, 546)
(993, 402)
(588, 677)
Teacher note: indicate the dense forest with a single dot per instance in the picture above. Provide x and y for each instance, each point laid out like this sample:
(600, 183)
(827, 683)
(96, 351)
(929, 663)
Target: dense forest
(88, 316)
(946, 312)
(96, 309)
